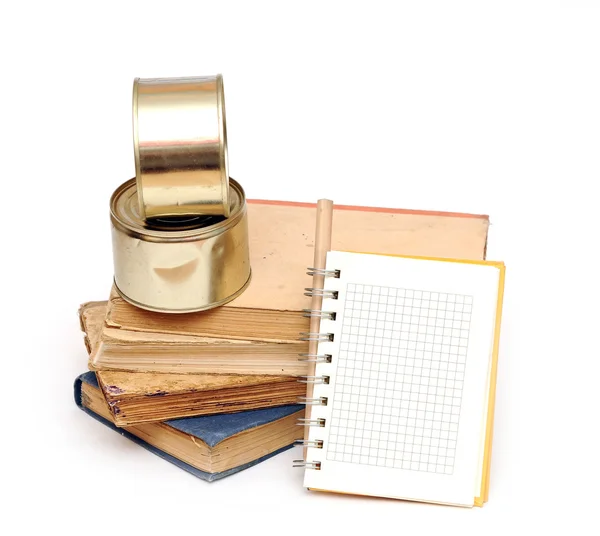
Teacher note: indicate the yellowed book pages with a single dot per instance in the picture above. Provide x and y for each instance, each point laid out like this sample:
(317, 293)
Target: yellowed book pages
(146, 397)
(149, 397)
(132, 351)
(240, 323)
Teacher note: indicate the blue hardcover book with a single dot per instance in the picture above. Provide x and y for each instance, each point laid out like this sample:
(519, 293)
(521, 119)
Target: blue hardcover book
(209, 447)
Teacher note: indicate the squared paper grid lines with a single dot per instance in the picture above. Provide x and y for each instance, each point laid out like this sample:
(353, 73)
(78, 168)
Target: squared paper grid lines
(399, 378)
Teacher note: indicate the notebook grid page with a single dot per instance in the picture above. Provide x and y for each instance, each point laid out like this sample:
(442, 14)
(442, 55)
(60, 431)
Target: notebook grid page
(400, 374)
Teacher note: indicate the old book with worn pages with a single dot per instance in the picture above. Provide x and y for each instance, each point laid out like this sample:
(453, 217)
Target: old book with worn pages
(257, 332)
(210, 447)
(135, 398)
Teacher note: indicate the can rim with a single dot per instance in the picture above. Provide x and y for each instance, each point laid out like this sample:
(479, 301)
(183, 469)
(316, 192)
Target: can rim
(223, 153)
(155, 235)
(136, 150)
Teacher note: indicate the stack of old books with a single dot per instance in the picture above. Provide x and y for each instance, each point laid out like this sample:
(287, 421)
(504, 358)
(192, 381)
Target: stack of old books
(216, 391)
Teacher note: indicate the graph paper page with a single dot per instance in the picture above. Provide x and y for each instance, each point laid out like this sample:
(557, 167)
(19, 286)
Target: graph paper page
(408, 379)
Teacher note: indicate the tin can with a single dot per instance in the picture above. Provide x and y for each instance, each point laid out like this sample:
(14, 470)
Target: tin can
(180, 146)
(183, 265)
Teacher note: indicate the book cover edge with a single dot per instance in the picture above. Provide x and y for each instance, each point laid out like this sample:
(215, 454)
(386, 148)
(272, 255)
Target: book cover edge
(416, 212)
(487, 456)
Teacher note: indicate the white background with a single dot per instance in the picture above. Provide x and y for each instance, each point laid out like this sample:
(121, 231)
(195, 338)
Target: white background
(485, 107)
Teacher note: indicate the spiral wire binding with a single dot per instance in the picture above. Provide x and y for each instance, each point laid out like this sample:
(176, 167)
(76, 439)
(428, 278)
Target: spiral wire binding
(317, 401)
(318, 337)
(316, 380)
(316, 358)
(321, 292)
(319, 423)
(317, 444)
(307, 465)
(327, 315)
(323, 272)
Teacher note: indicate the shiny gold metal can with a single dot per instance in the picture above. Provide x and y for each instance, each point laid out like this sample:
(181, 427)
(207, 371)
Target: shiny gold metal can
(179, 265)
(180, 146)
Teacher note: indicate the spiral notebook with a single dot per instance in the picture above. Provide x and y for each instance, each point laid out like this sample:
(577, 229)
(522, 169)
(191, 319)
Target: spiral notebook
(403, 392)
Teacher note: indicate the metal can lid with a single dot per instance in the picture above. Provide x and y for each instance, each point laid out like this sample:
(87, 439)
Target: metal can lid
(125, 215)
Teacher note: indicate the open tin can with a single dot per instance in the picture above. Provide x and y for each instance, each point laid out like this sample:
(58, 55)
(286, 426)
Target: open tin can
(179, 265)
(180, 146)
